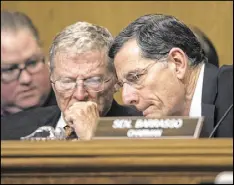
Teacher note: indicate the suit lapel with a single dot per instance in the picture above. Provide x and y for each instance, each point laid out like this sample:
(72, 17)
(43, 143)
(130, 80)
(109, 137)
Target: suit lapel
(209, 92)
(51, 118)
(208, 111)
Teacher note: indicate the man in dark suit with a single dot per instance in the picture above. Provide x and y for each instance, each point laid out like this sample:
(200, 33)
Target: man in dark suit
(24, 123)
(24, 73)
(83, 78)
(164, 72)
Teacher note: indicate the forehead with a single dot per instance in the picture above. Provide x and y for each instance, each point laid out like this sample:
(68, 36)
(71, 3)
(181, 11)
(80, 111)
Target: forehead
(129, 58)
(72, 64)
(18, 46)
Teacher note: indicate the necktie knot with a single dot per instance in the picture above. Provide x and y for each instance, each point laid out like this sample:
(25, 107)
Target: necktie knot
(69, 132)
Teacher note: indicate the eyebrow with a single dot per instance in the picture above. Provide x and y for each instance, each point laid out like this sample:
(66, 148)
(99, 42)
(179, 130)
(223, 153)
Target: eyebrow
(74, 78)
(34, 57)
(7, 65)
(132, 71)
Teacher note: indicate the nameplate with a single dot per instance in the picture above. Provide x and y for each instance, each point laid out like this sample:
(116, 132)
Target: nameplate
(140, 127)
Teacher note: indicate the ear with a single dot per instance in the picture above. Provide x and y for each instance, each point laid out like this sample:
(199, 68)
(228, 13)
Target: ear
(179, 62)
(116, 88)
(50, 74)
(52, 84)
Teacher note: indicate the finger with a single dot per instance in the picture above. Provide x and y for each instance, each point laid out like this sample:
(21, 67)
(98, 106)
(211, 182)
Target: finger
(82, 108)
(95, 109)
(78, 106)
(81, 112)
(88, 111)
(68, 118)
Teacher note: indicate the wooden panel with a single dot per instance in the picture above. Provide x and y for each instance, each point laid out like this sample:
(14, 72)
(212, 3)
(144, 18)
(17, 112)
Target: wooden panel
(115, 161)
(215, 18)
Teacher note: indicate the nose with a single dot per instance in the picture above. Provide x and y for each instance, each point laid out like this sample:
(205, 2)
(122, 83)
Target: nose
(80, 93)
(129, 95)
(25, 77)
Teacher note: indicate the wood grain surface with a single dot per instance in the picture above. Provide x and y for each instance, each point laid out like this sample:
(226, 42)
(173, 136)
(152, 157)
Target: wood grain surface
(115, 161)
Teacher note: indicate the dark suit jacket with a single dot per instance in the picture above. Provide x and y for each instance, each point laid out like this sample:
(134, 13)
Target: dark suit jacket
(217, 96)
(51, 100)
(224, 100)
(24, 123)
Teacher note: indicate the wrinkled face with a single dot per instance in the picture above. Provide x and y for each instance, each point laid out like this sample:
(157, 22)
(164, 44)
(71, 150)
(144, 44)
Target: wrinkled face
(152, 86)
(29, 90)
(86, 70)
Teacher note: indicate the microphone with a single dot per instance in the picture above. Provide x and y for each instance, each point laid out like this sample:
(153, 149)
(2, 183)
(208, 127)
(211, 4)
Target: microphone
(225, 177)
(46, 133)
(220, 121)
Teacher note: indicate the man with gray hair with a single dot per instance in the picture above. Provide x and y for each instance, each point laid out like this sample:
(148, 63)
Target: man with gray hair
(24, 75)
(83, 78)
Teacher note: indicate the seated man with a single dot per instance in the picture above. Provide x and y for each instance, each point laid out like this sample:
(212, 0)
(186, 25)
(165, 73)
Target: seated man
(24, 75)
(164, 72)
(83, 78)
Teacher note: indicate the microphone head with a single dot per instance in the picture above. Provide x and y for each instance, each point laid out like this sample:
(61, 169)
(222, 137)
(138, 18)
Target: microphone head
(225, 177)
(46, 133)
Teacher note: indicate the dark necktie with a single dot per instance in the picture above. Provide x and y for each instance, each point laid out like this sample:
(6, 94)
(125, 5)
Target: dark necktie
(70, 133)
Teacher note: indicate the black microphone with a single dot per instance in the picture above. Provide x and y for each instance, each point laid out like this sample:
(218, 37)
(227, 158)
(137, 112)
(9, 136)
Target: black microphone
(220, 121)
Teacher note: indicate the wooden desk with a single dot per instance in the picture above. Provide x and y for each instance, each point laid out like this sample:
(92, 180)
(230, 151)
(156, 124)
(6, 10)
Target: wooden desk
(115, 161)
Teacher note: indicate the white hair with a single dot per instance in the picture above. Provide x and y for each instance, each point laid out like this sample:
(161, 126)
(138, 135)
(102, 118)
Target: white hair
(84, 36)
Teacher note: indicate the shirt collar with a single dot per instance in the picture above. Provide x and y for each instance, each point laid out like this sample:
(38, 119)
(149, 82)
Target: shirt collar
(195, 109)
(61, 123)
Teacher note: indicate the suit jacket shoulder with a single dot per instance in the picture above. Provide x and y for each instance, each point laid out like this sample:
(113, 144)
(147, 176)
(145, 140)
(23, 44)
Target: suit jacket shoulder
(24, 123)
(224, 100)
(209, 93)
(51, 100)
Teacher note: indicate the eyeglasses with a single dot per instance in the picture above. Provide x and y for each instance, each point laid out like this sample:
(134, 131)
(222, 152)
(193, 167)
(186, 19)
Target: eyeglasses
(135, 79)
(67, 85)
(14, 71)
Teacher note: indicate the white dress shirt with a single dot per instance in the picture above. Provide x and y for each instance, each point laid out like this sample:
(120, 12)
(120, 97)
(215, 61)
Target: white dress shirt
(195, 109)
(61, 123)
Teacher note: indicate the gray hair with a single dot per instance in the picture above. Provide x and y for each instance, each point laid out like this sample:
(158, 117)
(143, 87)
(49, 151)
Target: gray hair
(14, 21)
(85, 37)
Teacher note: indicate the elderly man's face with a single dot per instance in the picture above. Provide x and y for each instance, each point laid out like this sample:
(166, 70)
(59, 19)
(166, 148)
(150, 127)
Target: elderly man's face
(27, 89)
(89, 70)
(152, 86)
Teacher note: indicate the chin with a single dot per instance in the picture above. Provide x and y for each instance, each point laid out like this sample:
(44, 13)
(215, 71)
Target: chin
(28, 103)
